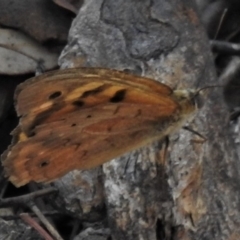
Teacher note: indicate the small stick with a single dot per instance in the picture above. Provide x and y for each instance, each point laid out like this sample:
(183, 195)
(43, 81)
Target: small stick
(39, 201)
(24, 199)
(75, 229)
(46, 223)
(195, 132)
(3, 189)
(67, 5)
(34, 224)
(221, 22)
(223, 47)
(16, 217)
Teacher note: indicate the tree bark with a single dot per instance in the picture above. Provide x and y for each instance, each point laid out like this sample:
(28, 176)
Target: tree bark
(194, 194)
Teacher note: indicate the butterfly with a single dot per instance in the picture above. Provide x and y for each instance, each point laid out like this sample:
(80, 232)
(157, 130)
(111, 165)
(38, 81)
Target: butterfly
(81, 118)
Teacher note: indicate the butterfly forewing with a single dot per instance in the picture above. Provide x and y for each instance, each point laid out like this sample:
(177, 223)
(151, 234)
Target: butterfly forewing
(42, 100)
(79, 83)
(81, 118)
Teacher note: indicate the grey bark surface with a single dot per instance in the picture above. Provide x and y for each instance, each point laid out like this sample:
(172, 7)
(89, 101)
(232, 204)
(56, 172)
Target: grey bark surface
(194, 194)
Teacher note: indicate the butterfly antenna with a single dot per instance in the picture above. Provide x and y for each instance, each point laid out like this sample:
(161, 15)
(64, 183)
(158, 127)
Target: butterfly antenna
(194, 132)
(203, 88)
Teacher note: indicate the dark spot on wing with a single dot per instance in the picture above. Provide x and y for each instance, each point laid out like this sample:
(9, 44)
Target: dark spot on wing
(77, 145)
(73, 125)
(78, 103)
(139, 113)
(44, 163)
(93, 91)
(41, 117)
(112, 144)
(118, 96)
(84, 153)
(67, 142)
(55, 95)
(89, 116)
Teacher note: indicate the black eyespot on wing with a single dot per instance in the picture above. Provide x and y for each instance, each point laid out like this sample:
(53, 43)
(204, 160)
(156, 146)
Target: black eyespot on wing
(78, 103)
(118, 96)
(55, 95)
(44, 163)
(73, 125)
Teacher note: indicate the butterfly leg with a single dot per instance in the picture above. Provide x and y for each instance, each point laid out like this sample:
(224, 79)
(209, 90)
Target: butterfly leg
(195, 132)
(204, 139)
(164, 151)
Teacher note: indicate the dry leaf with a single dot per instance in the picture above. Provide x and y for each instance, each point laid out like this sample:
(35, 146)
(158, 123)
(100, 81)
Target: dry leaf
(20, 54)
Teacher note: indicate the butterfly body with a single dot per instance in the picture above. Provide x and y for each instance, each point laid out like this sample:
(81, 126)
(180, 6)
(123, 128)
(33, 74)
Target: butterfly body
(81, 118)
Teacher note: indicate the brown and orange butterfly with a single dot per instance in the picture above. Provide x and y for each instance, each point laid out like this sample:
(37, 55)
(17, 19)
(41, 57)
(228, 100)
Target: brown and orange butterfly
(82, 118)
